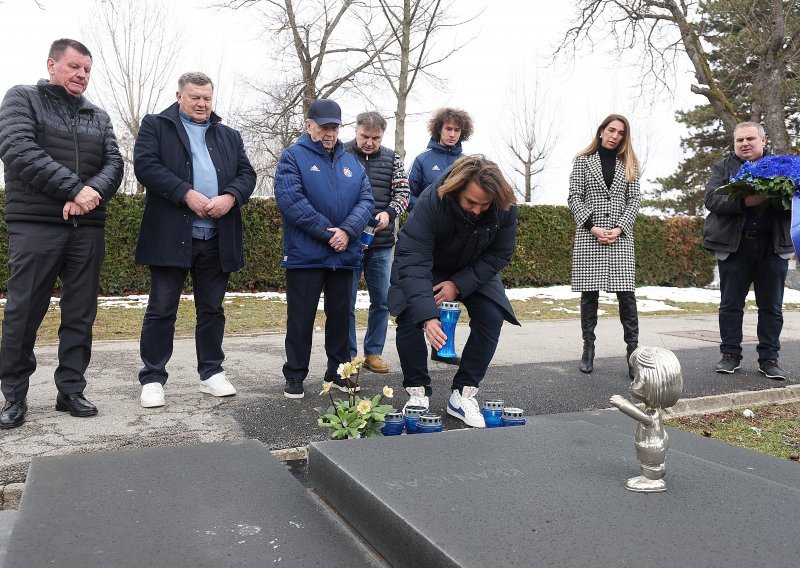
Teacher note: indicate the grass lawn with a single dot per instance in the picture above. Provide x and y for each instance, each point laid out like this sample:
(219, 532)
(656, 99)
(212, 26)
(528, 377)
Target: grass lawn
(251, 315)
(774, 430)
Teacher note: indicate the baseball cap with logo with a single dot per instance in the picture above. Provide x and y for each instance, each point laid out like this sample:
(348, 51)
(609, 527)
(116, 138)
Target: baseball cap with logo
(325, 111)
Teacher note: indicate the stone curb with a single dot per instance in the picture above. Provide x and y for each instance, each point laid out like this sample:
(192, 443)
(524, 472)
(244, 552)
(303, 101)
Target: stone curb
(731, 401)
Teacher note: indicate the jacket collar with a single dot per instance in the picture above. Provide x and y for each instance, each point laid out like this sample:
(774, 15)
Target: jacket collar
(306, 142)
(597, 171)
(738, 159)
(353, 148)
(60, 92)
(442, 149)
(172, 113)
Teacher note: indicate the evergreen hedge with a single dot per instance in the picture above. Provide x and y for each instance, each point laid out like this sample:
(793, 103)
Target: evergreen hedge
(668, 251)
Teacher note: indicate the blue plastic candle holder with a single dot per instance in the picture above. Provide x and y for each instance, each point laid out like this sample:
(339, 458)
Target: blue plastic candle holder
(429, 423)
(492, 411)
(412, 414)
(393, 424)
(512, 417)
(449, 313)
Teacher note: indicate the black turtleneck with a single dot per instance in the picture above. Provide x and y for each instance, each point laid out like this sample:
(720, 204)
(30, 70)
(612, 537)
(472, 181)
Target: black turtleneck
(608, 161)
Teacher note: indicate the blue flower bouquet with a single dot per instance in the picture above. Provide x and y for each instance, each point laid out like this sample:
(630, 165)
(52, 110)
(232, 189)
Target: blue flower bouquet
(775, 177)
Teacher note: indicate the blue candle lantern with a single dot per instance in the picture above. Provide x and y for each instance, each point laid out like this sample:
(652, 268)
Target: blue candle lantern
(412, 414)
(429, 423)
(512, 417)
(393, 423)
(492, 411)
(368, 233)
(448, 315)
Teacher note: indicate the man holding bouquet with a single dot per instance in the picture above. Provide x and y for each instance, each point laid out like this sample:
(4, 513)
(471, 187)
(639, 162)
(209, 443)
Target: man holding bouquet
(752, 246)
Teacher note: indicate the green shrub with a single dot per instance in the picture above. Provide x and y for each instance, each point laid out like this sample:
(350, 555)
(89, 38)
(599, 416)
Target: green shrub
(668, 251)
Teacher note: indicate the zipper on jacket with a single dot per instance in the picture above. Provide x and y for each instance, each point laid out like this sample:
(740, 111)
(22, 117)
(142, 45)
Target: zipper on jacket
(336, 195)
(75, 141)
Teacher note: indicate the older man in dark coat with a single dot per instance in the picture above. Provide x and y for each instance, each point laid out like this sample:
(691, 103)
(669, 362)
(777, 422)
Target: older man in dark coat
(197, 177)
(62, 166)
(452, 247)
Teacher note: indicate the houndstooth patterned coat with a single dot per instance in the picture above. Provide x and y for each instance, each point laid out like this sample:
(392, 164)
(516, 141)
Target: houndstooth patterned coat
(611, 268)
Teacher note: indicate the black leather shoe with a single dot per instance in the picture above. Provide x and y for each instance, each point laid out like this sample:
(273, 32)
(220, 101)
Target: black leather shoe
(449, 360)
(76, 404)
(772, 370)
(13, 414)
(728, 364)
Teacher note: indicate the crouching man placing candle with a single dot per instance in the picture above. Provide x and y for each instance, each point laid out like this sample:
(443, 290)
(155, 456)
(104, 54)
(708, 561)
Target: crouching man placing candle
(459, 236)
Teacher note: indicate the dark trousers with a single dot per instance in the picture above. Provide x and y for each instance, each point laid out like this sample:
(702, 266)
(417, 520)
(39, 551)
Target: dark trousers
(158, 329)
(38, 254)
(755, 262)
(485, 320)
(303, 288)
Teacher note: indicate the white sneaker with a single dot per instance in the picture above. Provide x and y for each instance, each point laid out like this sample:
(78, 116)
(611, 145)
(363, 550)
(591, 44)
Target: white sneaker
(463, 406)
(152, 395)
(217, 385)
(418, 398)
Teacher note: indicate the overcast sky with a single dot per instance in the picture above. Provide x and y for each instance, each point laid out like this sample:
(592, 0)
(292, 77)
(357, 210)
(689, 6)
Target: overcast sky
(512, 41)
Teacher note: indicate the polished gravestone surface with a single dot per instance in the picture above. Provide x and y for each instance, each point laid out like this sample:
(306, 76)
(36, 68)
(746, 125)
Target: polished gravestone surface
(211, 505)
(551, 494)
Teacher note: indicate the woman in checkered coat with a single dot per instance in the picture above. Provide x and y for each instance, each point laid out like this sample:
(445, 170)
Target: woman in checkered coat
(604, 199)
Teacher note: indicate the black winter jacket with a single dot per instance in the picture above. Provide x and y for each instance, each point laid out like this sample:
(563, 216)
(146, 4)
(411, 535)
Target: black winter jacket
(722, 230)
(380, 169)
(162, 161)
(51, 148)
(439, 242)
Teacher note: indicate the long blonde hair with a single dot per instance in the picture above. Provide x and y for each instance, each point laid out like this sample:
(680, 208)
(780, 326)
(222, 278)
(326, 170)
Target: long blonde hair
(625, 151)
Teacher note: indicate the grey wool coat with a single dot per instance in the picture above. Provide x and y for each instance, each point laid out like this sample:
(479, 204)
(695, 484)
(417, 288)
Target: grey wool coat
(611, 268)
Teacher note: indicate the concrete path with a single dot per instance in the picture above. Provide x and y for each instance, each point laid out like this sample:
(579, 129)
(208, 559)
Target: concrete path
(535, 368)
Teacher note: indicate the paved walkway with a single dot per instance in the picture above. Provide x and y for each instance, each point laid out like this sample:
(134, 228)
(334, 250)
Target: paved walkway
(535, 368)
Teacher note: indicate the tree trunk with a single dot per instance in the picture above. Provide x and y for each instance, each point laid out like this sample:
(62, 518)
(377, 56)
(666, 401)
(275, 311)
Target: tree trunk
(402, 82)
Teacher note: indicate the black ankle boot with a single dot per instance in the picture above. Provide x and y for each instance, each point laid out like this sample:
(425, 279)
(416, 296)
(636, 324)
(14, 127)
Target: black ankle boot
(588, 323)
(587, 359)
(629, 350)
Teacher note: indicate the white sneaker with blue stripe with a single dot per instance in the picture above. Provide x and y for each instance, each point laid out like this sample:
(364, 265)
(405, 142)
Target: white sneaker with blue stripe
(462, 405)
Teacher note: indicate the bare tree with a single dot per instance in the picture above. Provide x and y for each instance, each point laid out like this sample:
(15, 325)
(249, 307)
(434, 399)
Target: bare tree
(665, 29)
(413, 26)
(136, 44)
(320, 56)
(267, 130)
(530, 134)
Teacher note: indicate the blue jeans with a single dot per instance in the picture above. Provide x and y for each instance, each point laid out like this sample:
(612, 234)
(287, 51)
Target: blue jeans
(755, 262)
(377, 267)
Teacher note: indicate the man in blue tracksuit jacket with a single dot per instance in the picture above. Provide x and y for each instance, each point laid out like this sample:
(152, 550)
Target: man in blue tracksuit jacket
(325, 199)
(448, 128)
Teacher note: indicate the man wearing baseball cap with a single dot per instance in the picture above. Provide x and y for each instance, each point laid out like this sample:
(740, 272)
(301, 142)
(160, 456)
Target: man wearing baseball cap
(325, 199)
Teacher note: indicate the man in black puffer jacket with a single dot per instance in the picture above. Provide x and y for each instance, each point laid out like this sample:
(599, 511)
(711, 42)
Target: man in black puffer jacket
(387, 177)
(459, 236)
(62, 165)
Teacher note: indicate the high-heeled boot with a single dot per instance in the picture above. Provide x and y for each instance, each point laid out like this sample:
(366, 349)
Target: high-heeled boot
(629, 317)
(588, 323)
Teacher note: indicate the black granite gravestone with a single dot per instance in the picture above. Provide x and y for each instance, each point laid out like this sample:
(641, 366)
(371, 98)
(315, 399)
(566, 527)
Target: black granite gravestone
(213, 505)
(551, 494)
